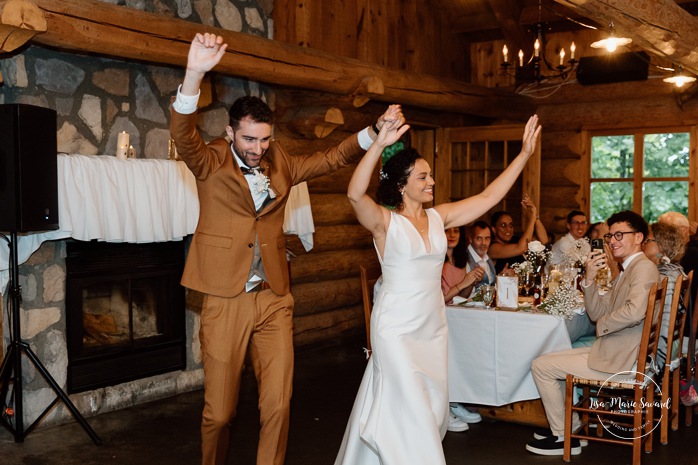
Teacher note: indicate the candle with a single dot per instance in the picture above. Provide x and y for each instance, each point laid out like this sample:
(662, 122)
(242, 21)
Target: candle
(562, 57)
(536, 48)
(572, 49)
(521, 58)
(122, 145)
(505, 52)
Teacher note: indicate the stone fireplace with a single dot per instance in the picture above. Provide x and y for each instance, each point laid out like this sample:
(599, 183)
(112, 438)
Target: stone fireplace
(125, 312)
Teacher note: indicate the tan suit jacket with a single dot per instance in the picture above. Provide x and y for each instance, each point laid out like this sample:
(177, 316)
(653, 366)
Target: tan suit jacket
(619, 316)
(221, 252)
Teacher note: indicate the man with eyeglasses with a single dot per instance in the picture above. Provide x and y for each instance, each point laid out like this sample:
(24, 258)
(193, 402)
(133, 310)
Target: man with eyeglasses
(618, 314)
(576, 228)
(579, 325)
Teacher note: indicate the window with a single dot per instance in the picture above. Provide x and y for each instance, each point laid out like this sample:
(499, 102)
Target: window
(470, 158)
(648, 171)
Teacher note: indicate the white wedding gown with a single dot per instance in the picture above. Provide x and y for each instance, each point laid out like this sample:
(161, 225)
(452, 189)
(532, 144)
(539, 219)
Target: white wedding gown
(400, 414)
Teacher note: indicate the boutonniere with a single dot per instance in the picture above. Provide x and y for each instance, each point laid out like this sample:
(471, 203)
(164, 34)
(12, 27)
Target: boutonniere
(261, 184)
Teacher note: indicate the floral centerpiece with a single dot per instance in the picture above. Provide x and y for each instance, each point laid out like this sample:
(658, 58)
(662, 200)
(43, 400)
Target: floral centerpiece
(575, 252)
(563, 301)
(536, 256)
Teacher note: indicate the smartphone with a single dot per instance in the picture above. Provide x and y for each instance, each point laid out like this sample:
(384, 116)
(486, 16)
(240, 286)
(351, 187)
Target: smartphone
(597, 244)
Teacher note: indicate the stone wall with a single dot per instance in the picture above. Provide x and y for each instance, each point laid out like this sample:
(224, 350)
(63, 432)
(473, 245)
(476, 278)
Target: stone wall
(96, 98)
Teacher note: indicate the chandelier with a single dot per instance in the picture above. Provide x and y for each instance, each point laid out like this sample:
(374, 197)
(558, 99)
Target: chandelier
(538, 67)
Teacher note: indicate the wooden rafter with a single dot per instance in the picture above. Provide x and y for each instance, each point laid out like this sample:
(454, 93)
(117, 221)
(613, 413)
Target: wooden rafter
(96, 27)
(660, 27)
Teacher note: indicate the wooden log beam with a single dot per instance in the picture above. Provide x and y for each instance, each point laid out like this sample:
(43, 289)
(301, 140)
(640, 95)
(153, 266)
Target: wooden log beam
(311, 122)
(91, 26)
(660, 27)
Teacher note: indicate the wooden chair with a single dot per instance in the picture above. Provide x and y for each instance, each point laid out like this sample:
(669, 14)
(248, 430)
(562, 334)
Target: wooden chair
(672, 367)
(639, 389)
(369, 276)
(690, 359)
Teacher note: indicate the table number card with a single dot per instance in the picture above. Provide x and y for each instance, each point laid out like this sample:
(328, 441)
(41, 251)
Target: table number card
(507, 291)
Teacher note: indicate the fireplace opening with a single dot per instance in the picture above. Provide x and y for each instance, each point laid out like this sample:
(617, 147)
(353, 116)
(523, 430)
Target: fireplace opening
(124, 312)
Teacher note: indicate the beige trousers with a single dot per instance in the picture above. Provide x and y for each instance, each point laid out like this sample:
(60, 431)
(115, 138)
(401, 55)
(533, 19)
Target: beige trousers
(549, 373)
(262, 323)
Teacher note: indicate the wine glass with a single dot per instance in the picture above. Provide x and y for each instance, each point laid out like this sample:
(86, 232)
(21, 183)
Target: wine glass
(528, 282)
(487, 292)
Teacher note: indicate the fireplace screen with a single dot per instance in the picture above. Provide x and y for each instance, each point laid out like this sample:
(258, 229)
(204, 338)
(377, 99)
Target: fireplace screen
(125, 312)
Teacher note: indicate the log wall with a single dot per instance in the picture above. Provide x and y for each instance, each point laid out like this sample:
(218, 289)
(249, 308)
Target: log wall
(400, 34)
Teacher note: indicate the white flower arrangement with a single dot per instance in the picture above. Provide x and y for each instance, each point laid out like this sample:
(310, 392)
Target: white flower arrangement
(576, 251)
(537, 255)
(261, 183)
(563, 301)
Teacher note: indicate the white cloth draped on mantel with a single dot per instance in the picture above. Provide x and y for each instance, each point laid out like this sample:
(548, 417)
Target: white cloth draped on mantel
(135, 200)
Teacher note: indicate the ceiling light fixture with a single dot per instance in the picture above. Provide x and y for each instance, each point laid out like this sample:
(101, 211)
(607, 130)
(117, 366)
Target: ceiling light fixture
(532, 70)
(679, 78)
(611, 43)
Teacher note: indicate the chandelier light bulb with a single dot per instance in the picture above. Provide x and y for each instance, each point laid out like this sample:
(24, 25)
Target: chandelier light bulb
(521, 55)
(536, 48)
(611, 44)
(572, 49)
(505, 52)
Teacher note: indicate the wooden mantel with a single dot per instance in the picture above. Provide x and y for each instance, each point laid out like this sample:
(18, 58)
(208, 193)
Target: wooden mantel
(95, 27)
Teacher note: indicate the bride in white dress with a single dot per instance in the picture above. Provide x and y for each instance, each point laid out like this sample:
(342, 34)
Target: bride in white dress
(401, 410)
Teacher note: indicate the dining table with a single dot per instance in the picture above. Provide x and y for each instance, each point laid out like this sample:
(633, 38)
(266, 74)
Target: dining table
(490, 352)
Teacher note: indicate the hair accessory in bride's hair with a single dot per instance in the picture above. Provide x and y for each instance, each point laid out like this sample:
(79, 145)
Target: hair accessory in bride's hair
(383, 175)
(391, 150)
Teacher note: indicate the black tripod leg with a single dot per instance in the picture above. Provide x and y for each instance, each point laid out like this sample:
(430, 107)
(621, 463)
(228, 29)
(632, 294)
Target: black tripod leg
(59, 392)
(5, 376)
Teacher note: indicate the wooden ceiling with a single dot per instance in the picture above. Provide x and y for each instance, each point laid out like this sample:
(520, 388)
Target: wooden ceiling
(664, 28)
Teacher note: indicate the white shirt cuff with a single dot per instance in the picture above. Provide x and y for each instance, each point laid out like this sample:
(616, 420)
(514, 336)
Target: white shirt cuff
(185, 104)
(365, 140)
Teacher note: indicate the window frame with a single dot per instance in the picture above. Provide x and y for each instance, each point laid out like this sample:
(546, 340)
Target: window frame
(638, 168)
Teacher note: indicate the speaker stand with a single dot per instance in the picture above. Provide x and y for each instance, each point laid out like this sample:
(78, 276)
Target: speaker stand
(11, 369)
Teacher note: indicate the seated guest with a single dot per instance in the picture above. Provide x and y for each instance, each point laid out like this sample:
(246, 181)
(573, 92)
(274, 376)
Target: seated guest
(507, 249)
(618, 314)
(579, 325)
(664, 246)
(454, 278)
(576, 227)
(480, 241)
(596, 230)
(690, 258)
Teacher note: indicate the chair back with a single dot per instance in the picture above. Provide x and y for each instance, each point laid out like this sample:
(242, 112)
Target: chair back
(369, 276)
(677, 319)
(647, 353)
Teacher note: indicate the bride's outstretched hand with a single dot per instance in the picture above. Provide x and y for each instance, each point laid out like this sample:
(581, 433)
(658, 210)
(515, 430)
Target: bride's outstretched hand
(531, 135)
(391, 132)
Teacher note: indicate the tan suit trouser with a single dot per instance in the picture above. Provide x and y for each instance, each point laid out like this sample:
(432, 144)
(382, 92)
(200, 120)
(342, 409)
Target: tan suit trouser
(263, 322)
(549, 373)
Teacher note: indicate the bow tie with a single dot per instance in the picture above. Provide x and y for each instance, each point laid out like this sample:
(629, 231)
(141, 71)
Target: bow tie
(620, 267)
(252, 171)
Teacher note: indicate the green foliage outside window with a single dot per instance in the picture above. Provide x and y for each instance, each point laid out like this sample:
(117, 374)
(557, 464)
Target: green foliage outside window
(613, 174)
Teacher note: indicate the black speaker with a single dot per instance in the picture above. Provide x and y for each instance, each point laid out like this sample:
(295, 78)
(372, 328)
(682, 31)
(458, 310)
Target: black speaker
(28, 169)
(616, 67)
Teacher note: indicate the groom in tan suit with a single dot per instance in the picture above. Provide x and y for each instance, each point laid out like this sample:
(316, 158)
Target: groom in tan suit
(619, 316)
(237, 257)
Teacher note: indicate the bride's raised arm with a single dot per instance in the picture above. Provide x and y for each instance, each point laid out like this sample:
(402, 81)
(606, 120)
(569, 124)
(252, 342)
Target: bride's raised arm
(468, 210)
(371, 215)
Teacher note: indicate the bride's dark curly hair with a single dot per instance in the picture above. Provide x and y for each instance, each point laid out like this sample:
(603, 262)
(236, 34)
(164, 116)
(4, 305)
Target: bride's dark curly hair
(394, 177)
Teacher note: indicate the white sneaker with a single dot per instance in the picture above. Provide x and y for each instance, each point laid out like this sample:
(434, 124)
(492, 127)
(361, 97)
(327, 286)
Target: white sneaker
(465, 415)
(455, 424)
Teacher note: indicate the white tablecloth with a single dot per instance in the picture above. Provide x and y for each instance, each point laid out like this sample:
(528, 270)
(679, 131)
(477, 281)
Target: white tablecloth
(490, 353)
(136, 200)
(101, 197)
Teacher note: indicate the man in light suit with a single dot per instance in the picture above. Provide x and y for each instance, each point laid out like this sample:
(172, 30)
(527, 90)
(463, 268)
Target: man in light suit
(237, 257)
(619, 316)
